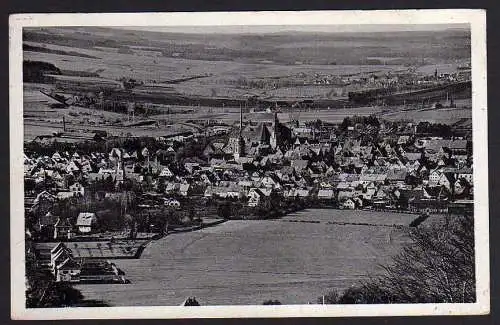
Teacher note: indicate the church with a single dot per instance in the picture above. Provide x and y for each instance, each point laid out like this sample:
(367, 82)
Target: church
(260, 138)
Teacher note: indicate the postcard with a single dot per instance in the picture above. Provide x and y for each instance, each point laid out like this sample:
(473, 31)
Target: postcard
(249, 164)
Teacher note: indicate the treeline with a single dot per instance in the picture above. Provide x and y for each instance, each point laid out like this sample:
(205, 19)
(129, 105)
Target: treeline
(120, 211)
(364, 120)
(76, 40)
(414, 93)
(36, 71)
(27, 47)
(435, 129)
(273, 208)
(183, 150)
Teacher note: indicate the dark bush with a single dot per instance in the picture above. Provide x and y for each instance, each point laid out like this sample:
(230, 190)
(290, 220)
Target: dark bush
(271, 302)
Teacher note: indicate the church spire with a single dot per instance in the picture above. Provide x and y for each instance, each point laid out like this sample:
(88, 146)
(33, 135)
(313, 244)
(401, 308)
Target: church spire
(241, 119)
(240, 143)
(274, 141)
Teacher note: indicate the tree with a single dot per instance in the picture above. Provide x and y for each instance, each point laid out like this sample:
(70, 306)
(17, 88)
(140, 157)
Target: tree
(271, 302)
(224, 210)
(346, 123)
(42, 291)
(437, 267)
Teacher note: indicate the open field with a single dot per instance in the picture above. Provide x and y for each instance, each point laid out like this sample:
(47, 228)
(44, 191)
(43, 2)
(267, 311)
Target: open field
(224, 60)
(221, 68)
(147, 68)
(446, 115)
(371, 217)
(40, 119)
(283, 47)
(247, 262)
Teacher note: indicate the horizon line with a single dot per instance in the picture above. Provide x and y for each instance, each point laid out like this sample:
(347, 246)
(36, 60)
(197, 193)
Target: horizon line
(275, 29)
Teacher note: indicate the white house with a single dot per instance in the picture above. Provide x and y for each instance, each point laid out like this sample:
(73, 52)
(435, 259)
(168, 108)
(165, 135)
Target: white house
(58, 254)
(255, 197)
(270, 182)
(86, 167)
(86, 221)
(68, 271)
(466, 174)
(72, 167)
(64, 195)
(172, 203)
(165, 172)
(325, 194)
(434, 177)
(183, 189)
(56, 156)
(349, 204)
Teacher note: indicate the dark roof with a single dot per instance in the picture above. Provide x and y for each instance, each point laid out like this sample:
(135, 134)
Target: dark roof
(259, 132)
(299, 164)
(396, 175)
(434, 191)
(62, 223)
(69, 264)
(48, 220)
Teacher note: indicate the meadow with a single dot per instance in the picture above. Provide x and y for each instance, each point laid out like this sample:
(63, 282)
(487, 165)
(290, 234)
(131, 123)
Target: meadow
(223, 59)
(447, 115)
(248, 262)
(220, 62)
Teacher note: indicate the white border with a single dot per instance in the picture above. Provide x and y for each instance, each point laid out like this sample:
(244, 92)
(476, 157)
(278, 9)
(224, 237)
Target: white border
(477, 21)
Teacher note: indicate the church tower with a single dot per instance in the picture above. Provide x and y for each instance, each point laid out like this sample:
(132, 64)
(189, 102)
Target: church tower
(275, 133)
(240, 145)
(120, 165)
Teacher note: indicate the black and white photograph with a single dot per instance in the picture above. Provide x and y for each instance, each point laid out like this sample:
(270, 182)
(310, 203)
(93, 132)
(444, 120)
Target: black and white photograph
(249, 164)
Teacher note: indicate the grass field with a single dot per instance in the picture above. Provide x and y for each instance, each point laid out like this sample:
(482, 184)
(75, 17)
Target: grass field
(40, 119)
(220, 73)
(448, 116)
(247, 262)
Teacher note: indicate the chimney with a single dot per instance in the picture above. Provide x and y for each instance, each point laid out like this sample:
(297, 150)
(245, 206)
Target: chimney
(64, 124)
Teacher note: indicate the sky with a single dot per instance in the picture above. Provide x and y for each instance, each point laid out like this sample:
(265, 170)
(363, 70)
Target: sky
(299, 28)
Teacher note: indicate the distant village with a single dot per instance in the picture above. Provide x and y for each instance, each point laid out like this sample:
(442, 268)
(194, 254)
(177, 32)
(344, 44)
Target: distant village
(104, 201)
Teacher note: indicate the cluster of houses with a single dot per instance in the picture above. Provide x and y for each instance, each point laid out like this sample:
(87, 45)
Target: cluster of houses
(353, 168)
(388, 166)
(53, 227)
(405, 78)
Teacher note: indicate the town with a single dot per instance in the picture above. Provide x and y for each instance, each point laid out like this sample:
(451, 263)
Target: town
(83, 194)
